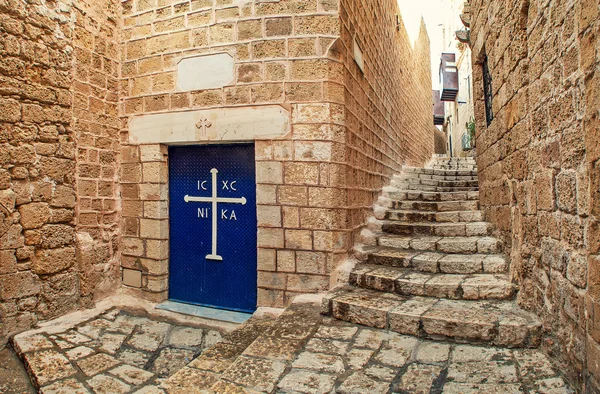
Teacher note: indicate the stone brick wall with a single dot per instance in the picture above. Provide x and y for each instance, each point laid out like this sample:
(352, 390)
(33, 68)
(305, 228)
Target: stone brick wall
(349, 131)
(538, 162)
(41, 129)
(388, 112)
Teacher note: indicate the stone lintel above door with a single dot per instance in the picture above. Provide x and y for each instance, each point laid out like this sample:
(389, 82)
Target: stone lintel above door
(220, 124)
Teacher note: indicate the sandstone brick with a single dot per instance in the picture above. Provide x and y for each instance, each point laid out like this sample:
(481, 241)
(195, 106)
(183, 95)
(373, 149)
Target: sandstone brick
(269, 49)
(275, 71)
(34, 215)
(222, 33)
(10, 110)
(207, 98)
(269, 216)
(249, 29)
(266, 194)
(8, 262)
(298, 239)
(269, 172)
(301, 173)
(322, 24)
(291, 217)
(311, 263)
(52, 261)
(278, 26)
(270, 238)
(249, 72)
(293, 195)
(15, 286)
(267, 260)
(267, 93)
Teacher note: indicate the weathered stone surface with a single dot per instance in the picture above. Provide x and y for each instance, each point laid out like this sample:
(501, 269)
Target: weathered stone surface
(47, 366)
(258, 373)
(307, 382)
(419, 378)
(93, 365)
(53, 260)
(104, 384)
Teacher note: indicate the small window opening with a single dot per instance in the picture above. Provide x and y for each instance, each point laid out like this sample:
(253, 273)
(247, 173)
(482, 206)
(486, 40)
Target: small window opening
(488, 92)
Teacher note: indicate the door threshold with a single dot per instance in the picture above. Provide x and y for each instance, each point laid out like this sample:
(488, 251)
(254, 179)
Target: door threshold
(205, 312)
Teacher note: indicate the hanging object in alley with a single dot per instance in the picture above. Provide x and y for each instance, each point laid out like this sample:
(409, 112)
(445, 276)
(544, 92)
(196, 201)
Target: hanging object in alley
(448, 77)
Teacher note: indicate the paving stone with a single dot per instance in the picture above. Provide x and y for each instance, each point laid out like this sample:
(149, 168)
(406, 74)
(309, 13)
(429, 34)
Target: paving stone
(67, 386)
(551, 386)
(358, 358)
(418, 378)
(275, 348)
(359, 383)
(341, 333)
(189, 380)
(150, 390)
(465, 353)
(30, 343)
(381, 372)
(144, 341)
(370, 338)
(307, 382)
(260, 374)
(134, 357)
(211, 337)
(320, 362)
(63, 344)
(433, 352)
(483, 372)
(97, 363)
(48, 365)
(79, 352)
(110, 342)
(171, 360)
(223, 387)
(104, 384)
(123, 324)
(75, 337)
(328, 346)
(533, 365)
(218, 357)
(392, 357)
(186, 337)
(467, 388)
(132, 375)
(90, 332)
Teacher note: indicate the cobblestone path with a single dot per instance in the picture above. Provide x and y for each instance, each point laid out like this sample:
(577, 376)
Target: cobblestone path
(115, 352)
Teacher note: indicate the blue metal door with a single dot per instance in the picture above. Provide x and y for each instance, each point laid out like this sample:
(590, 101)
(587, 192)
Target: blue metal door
(212, 201)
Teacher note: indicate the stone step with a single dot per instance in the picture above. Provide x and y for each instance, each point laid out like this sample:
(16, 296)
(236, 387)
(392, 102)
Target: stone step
(434, 261)
(433, 171)
(405, 281)
(439, 229)
(417, 195)
(436, 182)
(456, 245)
(439, 217)
(403, 176)
(427, 188)
(435, 206)
(493, 322)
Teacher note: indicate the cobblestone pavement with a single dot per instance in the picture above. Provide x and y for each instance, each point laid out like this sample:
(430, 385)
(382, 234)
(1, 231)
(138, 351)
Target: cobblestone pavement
(303, 352)
(300, 351)
(116, 352)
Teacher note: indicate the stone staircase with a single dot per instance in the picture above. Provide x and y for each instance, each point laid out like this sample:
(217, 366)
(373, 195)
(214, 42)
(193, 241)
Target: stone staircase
(430, 267)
